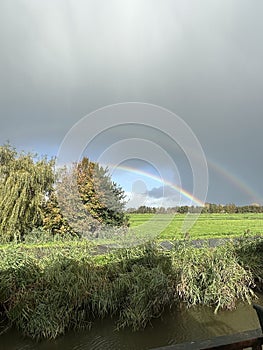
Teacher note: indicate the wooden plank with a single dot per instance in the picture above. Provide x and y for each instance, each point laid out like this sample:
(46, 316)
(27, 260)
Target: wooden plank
(254, 343)
(234, 341)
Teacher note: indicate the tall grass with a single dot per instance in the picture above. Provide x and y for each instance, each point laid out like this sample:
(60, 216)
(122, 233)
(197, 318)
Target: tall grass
(46, 291)
(250, 256)
(212, 277)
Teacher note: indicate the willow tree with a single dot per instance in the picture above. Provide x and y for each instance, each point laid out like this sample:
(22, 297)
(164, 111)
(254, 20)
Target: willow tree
(24, 184)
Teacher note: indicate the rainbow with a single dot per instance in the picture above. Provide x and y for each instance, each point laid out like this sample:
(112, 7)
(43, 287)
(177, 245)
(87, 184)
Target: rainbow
(222, 171)
(236, 181)
(163, 182)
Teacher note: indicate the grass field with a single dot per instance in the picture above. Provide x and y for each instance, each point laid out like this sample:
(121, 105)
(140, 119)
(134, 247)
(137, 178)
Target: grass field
(147, 227)
(206, 226)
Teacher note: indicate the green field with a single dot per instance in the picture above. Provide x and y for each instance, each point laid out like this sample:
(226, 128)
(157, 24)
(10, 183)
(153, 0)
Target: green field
(206, 226)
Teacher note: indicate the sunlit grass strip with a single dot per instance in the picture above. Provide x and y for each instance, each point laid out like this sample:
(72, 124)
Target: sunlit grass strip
(207, 225)
(44, 295)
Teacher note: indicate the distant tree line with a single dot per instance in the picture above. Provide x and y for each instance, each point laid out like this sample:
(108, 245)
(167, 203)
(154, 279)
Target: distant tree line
(209, 208)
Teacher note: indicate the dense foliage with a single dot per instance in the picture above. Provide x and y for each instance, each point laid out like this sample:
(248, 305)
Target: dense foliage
(74, 201)
(85, 199)
(44, 291)
(24, 182)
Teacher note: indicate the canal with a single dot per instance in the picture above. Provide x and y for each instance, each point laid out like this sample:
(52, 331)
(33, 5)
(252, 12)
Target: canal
(178, 325)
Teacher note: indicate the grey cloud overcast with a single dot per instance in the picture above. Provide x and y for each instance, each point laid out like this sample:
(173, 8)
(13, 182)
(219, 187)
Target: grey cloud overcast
(159, 192)
(60, 60)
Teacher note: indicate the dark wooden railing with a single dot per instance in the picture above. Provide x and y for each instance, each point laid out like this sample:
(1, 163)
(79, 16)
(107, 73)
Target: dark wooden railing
(259, 310)
(250, 339)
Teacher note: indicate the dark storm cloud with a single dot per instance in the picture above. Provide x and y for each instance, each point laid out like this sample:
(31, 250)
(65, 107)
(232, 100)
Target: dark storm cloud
(203, 60)
(162, 191)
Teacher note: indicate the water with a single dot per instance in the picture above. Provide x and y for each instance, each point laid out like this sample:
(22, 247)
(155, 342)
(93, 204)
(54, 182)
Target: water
(176, 326)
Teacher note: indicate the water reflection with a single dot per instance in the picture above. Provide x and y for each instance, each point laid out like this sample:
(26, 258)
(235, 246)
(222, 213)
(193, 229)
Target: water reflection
(176, 326)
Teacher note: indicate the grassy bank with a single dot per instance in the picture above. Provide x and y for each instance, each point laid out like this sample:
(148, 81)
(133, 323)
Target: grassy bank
(44, 291)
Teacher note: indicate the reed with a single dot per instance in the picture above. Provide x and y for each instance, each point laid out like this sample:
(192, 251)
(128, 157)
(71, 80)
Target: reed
(212, 277)
(250, 256)
(45, 291)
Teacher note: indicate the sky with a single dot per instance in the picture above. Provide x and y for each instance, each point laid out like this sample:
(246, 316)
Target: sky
(61, 60)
